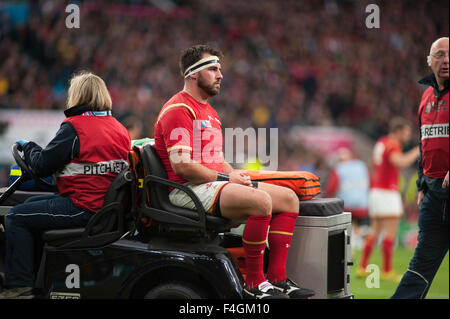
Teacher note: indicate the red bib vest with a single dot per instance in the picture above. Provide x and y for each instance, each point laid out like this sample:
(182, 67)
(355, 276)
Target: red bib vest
(104, 145)
(434, 121)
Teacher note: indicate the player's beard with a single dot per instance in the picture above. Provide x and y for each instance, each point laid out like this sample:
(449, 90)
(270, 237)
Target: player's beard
(210, 89)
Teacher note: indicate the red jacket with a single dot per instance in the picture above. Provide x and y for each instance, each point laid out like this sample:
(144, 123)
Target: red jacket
(434, 133)
(104, 145)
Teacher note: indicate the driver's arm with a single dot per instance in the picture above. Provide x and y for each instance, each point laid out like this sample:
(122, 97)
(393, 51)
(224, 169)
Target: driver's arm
(61, 150)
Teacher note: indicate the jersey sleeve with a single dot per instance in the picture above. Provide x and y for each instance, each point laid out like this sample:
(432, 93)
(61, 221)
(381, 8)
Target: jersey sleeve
(392, 148)
(177, 130)
(60, 150)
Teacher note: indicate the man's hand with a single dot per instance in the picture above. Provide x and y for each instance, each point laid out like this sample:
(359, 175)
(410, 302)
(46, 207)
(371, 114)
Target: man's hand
(445, 182)
(420, 196)
(238, 177)
(21, 143)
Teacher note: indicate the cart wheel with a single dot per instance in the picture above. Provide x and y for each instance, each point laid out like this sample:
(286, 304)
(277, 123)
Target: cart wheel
(175, 290)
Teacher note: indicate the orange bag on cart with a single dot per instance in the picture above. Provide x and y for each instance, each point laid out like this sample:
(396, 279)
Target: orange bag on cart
(305, 184)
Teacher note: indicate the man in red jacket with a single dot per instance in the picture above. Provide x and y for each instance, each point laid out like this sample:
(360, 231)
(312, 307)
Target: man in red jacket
(86, 154)
(433, 182)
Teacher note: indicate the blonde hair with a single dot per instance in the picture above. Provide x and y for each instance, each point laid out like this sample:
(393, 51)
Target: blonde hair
(86, 88)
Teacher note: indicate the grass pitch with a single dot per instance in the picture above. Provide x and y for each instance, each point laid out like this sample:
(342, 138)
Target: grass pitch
(439, 288)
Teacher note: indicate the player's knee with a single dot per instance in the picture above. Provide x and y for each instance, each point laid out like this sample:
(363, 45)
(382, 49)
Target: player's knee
(292, 201)
(262, 203)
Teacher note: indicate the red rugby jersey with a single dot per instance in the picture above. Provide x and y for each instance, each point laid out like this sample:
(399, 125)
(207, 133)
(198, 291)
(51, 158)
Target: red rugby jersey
(187, 125)
(386, 175)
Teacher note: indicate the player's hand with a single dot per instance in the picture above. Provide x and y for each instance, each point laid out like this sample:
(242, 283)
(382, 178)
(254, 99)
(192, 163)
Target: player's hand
(446, 181)
(239, 177)
(420, 196)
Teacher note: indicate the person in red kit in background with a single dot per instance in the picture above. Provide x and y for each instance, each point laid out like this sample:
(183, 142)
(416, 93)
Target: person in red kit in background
(385, 202)
(188, 139)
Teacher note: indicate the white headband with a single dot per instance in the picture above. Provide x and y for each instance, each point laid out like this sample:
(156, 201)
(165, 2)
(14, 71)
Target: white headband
(201, 64)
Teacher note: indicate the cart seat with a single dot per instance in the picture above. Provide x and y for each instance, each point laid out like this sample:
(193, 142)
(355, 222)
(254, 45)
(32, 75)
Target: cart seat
(164, 212)
(109, 224)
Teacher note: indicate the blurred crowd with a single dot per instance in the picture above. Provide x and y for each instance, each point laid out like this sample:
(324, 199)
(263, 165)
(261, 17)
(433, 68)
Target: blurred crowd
(286, 62)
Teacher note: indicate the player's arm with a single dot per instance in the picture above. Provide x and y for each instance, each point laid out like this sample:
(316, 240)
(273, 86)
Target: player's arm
(226, 166)
(185, 167)
(178, 135)
(402, 160)
(176, 128)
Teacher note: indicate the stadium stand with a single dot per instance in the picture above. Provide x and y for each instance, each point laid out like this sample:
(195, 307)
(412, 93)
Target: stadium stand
(296, 63)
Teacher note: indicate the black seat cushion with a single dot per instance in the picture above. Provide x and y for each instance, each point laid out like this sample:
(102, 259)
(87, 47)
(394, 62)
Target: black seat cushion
(321, 207)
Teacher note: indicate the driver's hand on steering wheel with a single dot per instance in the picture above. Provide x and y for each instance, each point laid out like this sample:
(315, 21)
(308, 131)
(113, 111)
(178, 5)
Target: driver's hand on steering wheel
(21, 143)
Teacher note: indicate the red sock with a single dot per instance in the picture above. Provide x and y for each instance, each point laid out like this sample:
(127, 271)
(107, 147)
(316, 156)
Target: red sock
(367, 250)
(388, 248)
(254, 242)
(280, 236)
